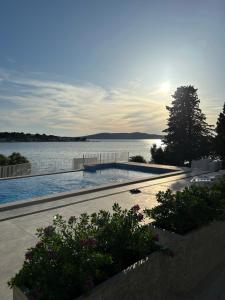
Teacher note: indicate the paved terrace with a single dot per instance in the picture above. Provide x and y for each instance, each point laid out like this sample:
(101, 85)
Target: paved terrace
(18, 226)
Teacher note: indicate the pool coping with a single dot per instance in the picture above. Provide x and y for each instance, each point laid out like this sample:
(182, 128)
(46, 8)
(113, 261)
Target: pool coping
(72, 193)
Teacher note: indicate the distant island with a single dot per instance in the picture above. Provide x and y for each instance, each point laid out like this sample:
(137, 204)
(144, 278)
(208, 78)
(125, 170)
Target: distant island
(124, 135)
(28, 137)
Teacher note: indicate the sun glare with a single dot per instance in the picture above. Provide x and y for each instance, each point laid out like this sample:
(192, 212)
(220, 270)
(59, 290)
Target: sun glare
(165, 87)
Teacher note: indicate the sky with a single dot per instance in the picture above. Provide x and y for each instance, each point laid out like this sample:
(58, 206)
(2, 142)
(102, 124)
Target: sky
(76, 67)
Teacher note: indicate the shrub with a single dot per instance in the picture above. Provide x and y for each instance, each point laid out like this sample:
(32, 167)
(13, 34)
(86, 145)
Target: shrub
(14, 159)
(3, 160)
(72, 257)
(189, 209)
(157, 154)
(219, 185)
(162, 156)
(137, 158)
(219, 141)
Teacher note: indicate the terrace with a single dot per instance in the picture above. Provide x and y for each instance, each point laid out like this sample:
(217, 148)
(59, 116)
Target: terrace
(18, 222)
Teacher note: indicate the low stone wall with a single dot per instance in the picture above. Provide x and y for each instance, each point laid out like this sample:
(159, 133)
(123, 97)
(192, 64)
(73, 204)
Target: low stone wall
(162, 276)
(18, 294)
(196, 255)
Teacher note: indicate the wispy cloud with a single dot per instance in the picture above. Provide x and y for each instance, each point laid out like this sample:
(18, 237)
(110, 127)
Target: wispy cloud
(10, 60)
(29, 103)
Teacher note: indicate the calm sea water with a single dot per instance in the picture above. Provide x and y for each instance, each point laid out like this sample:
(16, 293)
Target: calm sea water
(60, 150)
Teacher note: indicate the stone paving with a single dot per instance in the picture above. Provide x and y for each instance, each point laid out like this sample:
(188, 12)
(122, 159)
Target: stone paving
(18, 226)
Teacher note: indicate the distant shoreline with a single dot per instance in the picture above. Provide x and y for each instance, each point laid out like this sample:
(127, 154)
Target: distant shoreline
(90, 140)
(16, 137)
(42, 141)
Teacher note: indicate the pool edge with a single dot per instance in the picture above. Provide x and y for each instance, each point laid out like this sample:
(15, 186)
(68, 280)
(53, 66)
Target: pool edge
(72, 193)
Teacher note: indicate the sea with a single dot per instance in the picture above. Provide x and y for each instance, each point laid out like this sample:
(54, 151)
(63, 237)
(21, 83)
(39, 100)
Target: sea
(48, 151)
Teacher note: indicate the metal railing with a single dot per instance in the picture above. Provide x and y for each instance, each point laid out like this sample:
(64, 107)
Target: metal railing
(51, 166)
(15, 170)
(36, 168)
(62, 165)
(100, 158)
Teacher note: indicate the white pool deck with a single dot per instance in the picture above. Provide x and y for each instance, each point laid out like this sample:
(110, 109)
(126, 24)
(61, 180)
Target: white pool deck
(18, 225)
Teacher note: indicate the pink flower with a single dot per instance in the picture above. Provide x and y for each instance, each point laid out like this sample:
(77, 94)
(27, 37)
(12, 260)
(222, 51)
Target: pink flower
(135, 208)
(51, 253)
(29, 255)
(72, 219)
(49, 230)
(90, 242)
(89, 284)
(39, 244)
(140, 217)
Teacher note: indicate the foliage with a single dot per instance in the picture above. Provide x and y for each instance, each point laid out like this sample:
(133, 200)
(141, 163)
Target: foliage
(189, 209)
(188, 136)
(3, 160)
(220, 137)
(14, 159)
(137, 158)
(72, 257)
(160, 155)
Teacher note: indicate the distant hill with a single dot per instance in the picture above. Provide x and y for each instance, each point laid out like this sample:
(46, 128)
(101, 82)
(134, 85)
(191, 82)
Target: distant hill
(124, 135)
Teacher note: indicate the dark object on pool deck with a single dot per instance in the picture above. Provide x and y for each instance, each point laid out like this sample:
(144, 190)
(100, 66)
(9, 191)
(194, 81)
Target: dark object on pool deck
(135, 191)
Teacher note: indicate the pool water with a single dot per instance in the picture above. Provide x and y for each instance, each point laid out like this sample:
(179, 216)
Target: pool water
(30, 187)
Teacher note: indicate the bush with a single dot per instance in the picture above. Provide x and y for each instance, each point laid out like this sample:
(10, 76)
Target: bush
(14, 159)
(162, 156)
(137, 158)
(189, 209)
(72, 257)
(157, 154)
(3, 160)
(219, 141)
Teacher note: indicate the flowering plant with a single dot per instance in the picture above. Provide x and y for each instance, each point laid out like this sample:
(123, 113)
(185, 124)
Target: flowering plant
(71, 257)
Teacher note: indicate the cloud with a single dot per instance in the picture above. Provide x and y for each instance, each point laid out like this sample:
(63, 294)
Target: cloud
(3, 74)
(10, 60)
(74, 109)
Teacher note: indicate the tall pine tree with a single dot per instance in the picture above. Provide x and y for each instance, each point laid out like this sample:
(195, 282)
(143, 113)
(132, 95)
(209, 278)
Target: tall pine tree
(188, 135)
(220, 137)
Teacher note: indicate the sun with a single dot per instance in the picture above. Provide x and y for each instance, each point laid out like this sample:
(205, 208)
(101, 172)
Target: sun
(165, 87)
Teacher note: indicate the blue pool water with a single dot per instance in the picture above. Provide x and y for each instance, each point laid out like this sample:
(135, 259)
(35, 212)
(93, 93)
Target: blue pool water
(30, 187)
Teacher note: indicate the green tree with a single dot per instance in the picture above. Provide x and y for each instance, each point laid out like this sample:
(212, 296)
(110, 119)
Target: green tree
(188, 136)
(220, 137)
(3, 160)
(137, 158)
(158, 155)
(16, 158)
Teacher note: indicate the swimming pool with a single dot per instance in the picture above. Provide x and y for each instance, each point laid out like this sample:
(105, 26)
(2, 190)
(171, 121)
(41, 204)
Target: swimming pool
(29, 187)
